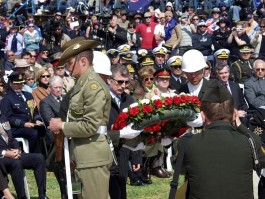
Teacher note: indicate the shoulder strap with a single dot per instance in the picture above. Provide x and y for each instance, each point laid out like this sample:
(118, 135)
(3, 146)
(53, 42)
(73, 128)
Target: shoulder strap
(240, 70)
(253, 147)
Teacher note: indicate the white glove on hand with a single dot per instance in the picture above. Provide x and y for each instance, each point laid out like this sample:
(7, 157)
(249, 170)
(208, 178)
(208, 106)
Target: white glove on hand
(140, 146)
(128, 132)
(197, 122)
(166, 141)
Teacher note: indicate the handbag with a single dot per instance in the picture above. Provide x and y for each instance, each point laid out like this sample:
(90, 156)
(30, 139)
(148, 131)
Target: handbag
(181, 192)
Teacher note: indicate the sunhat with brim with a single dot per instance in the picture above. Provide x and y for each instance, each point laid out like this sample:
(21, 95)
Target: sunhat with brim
(21, 63)
(77, 48)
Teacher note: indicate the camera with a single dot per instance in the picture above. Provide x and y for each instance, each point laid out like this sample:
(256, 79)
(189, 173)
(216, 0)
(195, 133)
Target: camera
(234, 29)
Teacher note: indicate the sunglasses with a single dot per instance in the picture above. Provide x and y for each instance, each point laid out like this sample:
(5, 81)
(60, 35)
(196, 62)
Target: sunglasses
(148, 79)
(207, 68)
(30, 79)
(131, 27)
(262, 26)
(147, 17)
(45, 76)
(59, 68)
(216, 12)
(123, 14)
(162, 18)
(31, 26)
(33, 55)
(168, 16)
(120, 82)
(138, 18)
(176, 67)
(260, 69)
(45, 52)
(11, 55)
(196, 19)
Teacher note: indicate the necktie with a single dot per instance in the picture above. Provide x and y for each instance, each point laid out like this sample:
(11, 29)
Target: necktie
(59, 99)
(118, 101)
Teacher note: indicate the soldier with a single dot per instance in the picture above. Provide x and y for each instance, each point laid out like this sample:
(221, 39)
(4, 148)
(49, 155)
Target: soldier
(113, 55)
(219, 161)
(88, 116)
(243, 67)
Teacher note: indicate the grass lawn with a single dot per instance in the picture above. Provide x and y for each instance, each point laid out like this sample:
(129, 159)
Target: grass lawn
(158, 190)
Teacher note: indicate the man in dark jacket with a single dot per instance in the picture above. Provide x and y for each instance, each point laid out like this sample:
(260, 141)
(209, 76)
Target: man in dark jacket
(220, 36)
(113, 34)
(202, 40)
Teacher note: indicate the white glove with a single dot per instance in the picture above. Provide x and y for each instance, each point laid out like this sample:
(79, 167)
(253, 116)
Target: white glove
(197, 122)
(128, 132)
(140, 146)
(166, 141)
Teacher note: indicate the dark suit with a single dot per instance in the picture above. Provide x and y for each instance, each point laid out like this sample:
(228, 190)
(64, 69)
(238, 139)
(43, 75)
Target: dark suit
(3, 177)
(15, 167)
(237, 93)
(49, 108)
(185, 88)
(119, 173)
(18, 112)
(156, 66)
(176, 85)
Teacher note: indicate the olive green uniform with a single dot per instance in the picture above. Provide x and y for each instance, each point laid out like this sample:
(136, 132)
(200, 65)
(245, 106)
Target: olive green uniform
(88, 110)
(242, 70)
(218, 162)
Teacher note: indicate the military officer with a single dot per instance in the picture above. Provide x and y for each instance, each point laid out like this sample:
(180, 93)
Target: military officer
(124, 48)
(177, 80)
(88, 116)
(221, 56)
(243, 67)
(219, 161)
(160, 57)
(20, 109)
(113, 55)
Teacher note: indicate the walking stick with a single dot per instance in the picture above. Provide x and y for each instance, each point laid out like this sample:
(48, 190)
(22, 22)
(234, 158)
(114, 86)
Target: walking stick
(67, 168)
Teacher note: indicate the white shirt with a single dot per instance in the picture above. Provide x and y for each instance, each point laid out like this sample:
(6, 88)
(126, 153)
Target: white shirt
(160, 30)
(195, 89)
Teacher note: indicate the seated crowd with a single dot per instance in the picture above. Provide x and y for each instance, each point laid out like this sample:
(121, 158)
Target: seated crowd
(146, 54)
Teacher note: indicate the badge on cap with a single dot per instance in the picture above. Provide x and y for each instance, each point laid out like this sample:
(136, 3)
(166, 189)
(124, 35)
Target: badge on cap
(76, 46)
(20, 77)
(143, 54)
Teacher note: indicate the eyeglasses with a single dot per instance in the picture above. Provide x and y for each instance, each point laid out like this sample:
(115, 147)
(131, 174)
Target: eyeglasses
(260, 69)
(148, 79)
(162, 18)
(207, 68)
(11, 55)
(147, 17)
(202, 26)
(45, 52)
(216, 13)
(176, 67)
(120, 82)
(45, 76)
(31, 26)
(168, 15)
(262, 26)
(30, 79)
(225, 15)
(59, 68)
(138, 18)
(195, 19)
(123, 14)
(33, 55)
(131, 27)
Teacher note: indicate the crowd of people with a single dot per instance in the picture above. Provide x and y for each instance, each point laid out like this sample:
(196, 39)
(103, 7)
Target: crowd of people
(53, 85)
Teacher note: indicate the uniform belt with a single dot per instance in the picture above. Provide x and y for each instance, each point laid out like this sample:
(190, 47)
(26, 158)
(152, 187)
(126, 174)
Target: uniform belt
(102, 130)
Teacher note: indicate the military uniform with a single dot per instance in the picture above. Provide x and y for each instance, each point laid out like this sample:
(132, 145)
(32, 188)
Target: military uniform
(88, 112)
(242, 70)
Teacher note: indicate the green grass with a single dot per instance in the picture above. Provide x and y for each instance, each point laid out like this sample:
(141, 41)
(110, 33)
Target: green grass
(158, 190)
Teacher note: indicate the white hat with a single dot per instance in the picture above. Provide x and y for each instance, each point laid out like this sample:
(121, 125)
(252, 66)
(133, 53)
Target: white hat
(142, 52)
(101, 63)
(169, 4)
(124, 48)
(157, 12)
(222, 53)
(174, 61)
(159, 50)
(192, 61)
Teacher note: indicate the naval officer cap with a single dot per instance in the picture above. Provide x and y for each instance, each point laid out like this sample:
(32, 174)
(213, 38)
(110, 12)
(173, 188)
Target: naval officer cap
(77, 47)
(159, 51)
(174, 61)
(216, 92)
(222, 53)
(16, 78)
(112, 53)
(124, 48)
(126, 56)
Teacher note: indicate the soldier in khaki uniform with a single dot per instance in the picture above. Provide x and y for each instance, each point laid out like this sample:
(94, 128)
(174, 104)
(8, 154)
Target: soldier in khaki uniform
(88, 116)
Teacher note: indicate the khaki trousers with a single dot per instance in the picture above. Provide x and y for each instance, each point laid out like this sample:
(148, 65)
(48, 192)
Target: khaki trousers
(95, 182)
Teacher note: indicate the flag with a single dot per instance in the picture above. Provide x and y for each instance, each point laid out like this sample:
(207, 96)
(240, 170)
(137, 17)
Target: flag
(139, 6)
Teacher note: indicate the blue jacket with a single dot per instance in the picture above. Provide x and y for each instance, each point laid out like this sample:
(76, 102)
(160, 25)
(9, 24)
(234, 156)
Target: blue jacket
(169, 27)
(17, 111)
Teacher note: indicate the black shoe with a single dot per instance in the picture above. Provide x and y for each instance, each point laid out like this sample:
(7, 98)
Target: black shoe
(136, 182)
(146, 181)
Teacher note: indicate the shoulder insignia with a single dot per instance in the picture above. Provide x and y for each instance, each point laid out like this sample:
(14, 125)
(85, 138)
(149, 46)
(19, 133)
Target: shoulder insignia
(93, 86)
(258, 130)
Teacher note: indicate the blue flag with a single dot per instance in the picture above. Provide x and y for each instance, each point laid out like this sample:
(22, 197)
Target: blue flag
(139, 6)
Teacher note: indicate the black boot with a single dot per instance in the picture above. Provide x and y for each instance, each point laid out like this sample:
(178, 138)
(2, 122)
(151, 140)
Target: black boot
(61, 178)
